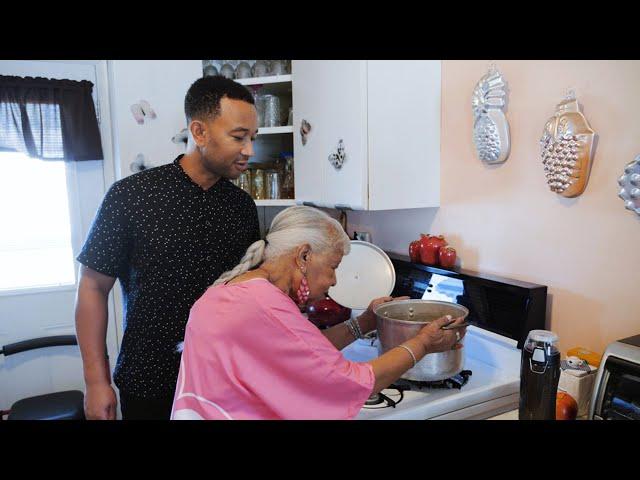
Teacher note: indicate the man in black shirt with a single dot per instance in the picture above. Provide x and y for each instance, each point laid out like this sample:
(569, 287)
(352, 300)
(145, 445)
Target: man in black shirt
(166, 233)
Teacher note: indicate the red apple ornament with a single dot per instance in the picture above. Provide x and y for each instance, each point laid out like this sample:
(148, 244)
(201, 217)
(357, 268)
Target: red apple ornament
(430, 247)
(414, 251)
(447, 257)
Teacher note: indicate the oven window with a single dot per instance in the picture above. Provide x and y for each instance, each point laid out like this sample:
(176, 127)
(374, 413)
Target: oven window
(622, 395)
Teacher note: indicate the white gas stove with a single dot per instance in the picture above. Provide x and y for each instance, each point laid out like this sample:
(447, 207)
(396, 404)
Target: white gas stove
(492, 388)
(502, 312)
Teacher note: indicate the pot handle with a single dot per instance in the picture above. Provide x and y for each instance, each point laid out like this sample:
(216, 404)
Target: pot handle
(453, 327)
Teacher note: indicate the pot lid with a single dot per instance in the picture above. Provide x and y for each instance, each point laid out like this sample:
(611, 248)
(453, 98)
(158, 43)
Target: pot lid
(363, 275)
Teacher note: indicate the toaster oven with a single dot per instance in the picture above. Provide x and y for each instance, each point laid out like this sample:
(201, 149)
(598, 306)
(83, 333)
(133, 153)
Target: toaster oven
(616, 393)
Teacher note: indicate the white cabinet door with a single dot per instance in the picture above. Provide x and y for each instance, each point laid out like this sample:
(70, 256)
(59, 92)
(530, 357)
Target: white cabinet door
(332, 97)
(306, 94)
(404, 133)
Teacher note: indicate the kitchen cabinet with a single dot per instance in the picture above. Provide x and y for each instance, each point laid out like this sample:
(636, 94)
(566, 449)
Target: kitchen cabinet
(385, 115)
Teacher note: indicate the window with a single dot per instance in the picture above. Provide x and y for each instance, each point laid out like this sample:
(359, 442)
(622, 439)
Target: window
(35, 228)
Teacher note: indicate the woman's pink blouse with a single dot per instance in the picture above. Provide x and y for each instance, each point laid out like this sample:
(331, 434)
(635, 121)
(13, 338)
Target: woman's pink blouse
(250, 354)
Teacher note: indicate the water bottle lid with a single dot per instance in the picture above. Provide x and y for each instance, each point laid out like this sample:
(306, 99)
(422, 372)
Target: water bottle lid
(542, 336)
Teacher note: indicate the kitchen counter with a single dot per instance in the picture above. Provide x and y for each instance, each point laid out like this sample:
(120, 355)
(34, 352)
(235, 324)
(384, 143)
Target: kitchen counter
(513, 415)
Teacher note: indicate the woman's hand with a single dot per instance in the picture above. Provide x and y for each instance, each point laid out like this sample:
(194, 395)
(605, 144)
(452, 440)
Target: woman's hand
(367, 319)
(435, 339)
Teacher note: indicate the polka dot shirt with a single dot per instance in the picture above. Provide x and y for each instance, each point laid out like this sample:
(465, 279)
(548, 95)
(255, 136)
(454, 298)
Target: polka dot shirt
(166, 240)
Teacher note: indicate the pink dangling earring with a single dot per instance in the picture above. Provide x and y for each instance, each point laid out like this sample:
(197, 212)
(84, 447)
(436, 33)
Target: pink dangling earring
(303, 290)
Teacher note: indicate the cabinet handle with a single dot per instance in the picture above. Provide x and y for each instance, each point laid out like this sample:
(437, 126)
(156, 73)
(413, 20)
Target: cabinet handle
(305, 128)
(338, 158)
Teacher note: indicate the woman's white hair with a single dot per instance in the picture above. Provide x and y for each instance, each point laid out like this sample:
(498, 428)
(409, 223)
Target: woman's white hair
(292, 227)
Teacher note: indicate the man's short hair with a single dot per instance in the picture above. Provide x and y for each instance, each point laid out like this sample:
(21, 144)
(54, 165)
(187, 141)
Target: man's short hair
(202, 100)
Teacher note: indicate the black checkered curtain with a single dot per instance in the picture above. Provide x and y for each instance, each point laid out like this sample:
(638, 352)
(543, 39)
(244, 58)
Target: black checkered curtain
(49, 119)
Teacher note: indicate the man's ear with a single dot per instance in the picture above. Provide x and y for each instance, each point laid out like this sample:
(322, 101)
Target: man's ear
(198, 132)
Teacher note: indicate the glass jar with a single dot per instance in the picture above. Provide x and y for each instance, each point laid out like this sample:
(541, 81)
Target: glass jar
(210, 71)
(271, 111)
(273, 185)
(244, 181)
(287, 189)
(290, 117)
(260, 68)
(258, 184)
(259, 102)
(227, 70)
(279, 67)
(243, 70)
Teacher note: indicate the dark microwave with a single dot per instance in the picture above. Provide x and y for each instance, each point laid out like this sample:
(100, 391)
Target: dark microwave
(616, 393)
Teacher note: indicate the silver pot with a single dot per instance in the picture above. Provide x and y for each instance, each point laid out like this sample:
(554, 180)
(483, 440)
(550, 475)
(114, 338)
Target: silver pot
(400, 321)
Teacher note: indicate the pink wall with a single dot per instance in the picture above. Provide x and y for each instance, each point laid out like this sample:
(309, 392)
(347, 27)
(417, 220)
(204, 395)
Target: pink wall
(504, 220)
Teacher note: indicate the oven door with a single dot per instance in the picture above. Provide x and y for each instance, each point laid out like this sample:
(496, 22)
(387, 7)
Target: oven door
(619, 391)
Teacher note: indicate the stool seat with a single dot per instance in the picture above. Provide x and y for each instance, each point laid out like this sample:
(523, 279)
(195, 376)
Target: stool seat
(67, 405)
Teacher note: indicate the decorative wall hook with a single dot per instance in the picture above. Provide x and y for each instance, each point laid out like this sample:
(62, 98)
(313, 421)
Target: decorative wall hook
(180, 137)
(138, 115)
(338, 158)
(567, 148)
(490, 125)
(142, 110)
(146, 109)
(305, 128)
(630, 186)
(138, 164)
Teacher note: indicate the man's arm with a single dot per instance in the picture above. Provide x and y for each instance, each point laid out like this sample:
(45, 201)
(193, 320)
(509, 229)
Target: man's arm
(91, 330)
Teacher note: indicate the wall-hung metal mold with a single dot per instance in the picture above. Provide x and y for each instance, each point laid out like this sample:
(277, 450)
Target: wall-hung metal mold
(490, 126)
(629, 183)
(567, 149)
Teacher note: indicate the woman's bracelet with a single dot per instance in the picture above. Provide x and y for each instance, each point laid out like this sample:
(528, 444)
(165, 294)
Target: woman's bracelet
(354, 328)
(413, 357)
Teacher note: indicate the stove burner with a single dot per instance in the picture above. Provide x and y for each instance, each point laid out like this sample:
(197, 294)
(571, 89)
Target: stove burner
(457, 381)
(374, 399)
(380, 400)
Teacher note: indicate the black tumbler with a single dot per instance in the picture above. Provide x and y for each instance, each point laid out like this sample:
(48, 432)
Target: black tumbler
(539, 376)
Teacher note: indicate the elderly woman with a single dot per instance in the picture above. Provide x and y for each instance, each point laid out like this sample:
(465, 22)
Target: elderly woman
(249, 353)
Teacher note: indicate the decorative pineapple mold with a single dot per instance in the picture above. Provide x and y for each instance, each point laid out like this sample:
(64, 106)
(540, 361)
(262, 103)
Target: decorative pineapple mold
(630, 186)
(490, 126)
(567, 149)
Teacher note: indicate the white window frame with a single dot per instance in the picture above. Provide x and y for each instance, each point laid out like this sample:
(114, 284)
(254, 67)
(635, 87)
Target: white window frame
(56, 69)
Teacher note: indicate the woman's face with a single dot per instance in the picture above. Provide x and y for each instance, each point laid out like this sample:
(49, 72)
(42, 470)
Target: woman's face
(321, 273)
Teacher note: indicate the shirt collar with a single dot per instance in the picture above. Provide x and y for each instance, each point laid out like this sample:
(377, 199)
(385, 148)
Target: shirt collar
(221, 184)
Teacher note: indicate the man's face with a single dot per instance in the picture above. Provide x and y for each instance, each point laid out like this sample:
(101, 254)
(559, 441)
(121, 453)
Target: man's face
(226, 142)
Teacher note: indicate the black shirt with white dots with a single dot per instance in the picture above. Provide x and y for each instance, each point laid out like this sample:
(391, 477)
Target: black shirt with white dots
(166, 240)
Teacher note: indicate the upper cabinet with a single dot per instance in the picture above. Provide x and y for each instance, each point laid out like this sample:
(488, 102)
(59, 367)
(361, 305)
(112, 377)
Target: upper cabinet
(373, 140)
